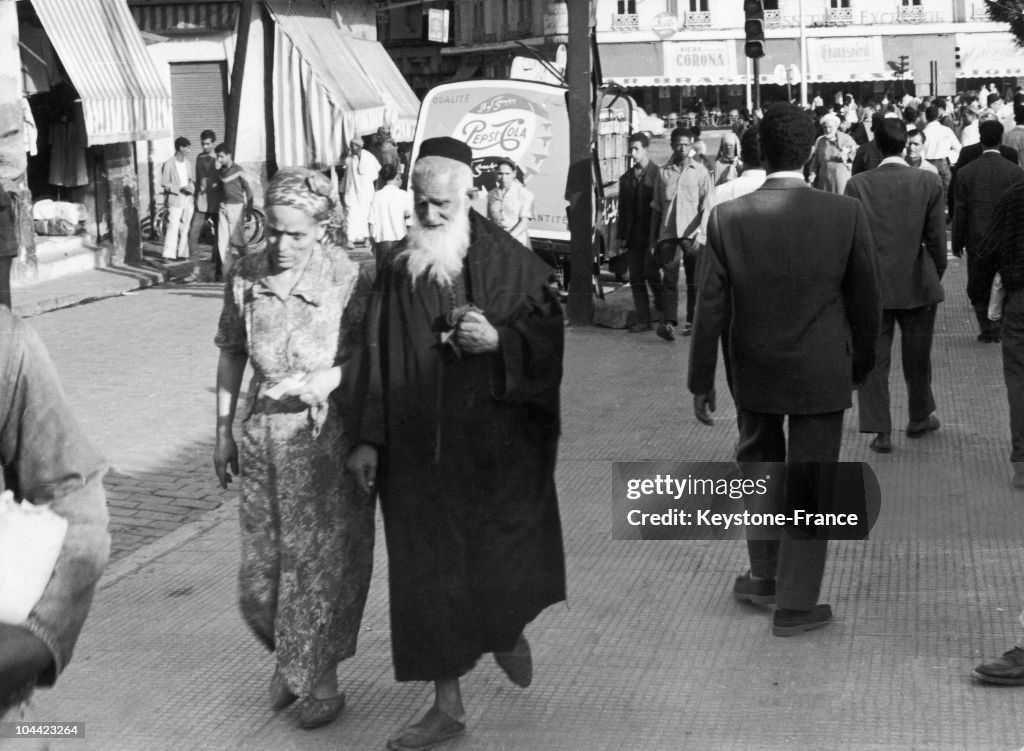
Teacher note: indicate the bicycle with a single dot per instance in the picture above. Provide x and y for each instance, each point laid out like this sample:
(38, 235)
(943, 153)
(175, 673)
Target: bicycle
(255, 226)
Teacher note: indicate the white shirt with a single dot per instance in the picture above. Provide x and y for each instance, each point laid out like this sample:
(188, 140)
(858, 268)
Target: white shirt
(969, 135)
(792, 174)
(940, 142)
(390, 213)
(182, 168)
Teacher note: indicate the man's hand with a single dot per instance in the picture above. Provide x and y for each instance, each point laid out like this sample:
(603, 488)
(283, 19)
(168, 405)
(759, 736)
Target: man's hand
(702, 405)
(362, 463)
(476, 335)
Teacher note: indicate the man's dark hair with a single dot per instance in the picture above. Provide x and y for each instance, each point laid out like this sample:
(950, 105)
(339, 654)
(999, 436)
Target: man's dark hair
(640, 138)
(909, 115)
(695, 131)
(1018, 114)
(750, 145)
(931, 113)
(991, 133)
(876, 120)
(388, 172)
(891, 137)
(787, 136)
(223, 148)
(207, 135)
(940, 103)
(181, 143)
(681, 132)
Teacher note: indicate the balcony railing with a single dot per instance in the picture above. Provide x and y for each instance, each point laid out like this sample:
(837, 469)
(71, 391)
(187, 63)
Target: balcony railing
(839, 16)
(910, 14)
(625, 22)
(700, 19)
(773, 19)
(978, 12)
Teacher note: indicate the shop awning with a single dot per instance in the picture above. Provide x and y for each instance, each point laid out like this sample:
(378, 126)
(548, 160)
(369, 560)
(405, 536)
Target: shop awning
(699, 63)
(631, 61)
(402, 104)
(985, 55)
(838, 59)
(123, 96)
(322, 96)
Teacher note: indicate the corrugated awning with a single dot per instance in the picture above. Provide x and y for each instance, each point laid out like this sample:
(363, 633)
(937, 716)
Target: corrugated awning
(403, 106)
(322, 96)
(123, 96)
(989, 55)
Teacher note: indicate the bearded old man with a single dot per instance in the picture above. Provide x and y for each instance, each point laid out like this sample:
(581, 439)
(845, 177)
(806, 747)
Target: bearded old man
(458, 421)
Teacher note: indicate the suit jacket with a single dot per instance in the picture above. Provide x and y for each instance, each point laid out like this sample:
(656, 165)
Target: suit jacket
(635, 212)
(907, 217)
(978, 186)
(172, 184)
(867, 157)
(967, 155)
(795, 268)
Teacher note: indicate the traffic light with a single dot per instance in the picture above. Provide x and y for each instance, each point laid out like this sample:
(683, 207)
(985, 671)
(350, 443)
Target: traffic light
(754, 28)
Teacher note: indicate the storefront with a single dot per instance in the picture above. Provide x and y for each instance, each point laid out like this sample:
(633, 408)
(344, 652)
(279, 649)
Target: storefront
(988, 58)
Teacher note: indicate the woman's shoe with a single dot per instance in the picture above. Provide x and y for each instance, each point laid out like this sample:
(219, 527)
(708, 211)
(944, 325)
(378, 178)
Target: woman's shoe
(434, 727)
(314, 713)
(280, 695)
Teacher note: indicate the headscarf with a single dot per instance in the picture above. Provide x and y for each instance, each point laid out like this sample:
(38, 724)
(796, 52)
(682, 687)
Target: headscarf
(303, 189)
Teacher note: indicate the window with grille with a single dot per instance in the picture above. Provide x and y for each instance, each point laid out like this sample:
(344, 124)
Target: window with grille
(697, 6)
(840, 3)
(627, 6)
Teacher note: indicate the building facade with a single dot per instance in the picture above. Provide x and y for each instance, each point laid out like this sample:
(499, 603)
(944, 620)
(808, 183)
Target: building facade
(675, 55)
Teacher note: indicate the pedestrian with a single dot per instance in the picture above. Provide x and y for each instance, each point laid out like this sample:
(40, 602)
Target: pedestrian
(390, 214)
(969, 132)
(294, 310)
(727, 163)
(361, 170)
(1014, 138)
(8, 242)
(868, 156)
(799, 341)
(941, 146)
(510, 204)
(235, 196)
(462, 419)
(636, 192)
(830, 164)
(969, 153)
(683, 194)
(915, 147)
(207, 207)
(1001, 251)
(179, 184)
(978, 187)
(46, 459)
(906, 214)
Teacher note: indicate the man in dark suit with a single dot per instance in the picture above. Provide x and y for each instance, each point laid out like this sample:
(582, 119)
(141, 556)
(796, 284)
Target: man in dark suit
(794, 267)
(636, 192)
(968, 154)
(978, 186)
(905, 209)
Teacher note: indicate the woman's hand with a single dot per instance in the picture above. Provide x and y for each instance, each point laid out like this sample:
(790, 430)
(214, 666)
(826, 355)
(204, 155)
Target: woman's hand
(315, 387)
(225, 458)
(362, 463)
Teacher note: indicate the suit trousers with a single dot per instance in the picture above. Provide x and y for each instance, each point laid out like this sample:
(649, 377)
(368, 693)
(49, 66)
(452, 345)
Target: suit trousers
(644, 275)
(5, 280)
(917, 326)
(796, 565)
(1013, 368)
(176, 232)
(690, 270)
(945, 176)
(668, 256)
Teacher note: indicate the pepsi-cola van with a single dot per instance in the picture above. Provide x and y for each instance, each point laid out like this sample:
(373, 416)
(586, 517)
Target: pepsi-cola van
(524, 121)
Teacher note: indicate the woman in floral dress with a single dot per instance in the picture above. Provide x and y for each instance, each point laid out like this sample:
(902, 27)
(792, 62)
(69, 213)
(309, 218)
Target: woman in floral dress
(294, 311)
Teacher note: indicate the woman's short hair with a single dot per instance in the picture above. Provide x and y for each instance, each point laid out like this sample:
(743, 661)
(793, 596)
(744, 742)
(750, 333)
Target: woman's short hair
(830, 117)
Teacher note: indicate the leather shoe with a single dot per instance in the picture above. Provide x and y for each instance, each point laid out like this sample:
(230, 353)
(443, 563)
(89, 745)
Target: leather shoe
(1007, 670)
(757, 592)
(666, 331)
(881, 443)
(919, 428)
(793, 622)
(314, 713)
(639, 327)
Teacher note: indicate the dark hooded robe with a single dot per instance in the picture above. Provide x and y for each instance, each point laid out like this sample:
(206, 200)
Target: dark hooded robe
(467, 446)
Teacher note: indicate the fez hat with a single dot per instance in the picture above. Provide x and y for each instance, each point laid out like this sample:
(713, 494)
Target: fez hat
(447, 148)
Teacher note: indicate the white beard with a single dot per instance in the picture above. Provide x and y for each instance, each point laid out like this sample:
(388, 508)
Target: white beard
(437, 252)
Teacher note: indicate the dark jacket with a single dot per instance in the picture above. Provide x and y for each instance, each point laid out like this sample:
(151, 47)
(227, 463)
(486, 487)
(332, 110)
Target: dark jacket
(967, 155)
(635, 197)
(867, 158)
(796, 268)
(907, 217)
(978, 186)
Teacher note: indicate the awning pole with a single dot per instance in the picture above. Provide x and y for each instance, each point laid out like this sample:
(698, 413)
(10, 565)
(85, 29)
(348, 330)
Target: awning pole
(803, 55)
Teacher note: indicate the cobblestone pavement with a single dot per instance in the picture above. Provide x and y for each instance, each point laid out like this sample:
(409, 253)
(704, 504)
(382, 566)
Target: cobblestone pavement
(651, 651)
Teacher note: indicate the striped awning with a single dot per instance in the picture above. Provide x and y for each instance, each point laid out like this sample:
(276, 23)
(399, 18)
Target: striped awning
(402, 104)
(322, 96)
(123, 96)
(217, 15)
(989, 55)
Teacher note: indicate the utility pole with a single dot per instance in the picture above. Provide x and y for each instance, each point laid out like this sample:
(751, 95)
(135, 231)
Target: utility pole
(580, 185)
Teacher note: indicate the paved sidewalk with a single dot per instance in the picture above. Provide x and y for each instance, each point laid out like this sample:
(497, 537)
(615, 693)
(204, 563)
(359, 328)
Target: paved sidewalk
(651, 651)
